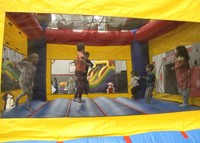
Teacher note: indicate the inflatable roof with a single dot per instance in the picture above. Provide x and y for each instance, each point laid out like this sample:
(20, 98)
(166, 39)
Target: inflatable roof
(31, 27)
(168, 29)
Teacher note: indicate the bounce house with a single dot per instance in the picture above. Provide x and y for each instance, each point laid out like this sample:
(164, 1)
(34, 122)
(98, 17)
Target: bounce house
(121, 37)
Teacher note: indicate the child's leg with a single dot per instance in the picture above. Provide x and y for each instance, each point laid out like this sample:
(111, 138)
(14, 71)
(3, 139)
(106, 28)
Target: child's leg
(29, 97)
(81, 84)
(186, 97)
(132, 92)
(136, 92)
(185, 94)
(148, 95)
(77, 83)
(24, 91)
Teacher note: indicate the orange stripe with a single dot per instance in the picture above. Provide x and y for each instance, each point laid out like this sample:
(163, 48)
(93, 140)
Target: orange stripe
(59, 141)
(127, 139)
(184, 134)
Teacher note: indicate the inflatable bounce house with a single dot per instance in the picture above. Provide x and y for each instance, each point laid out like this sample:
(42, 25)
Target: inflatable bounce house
(121, 37)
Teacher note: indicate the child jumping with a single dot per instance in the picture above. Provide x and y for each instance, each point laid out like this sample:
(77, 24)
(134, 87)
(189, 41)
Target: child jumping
(26, 79)
(80, 73)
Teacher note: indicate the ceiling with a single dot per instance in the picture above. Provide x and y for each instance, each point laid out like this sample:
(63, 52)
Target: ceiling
(91, 22)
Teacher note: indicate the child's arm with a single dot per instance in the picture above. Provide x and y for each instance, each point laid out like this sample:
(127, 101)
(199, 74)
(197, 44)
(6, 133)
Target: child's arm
(180, 63)
(82, 59)
(88, 64)
(21, 64)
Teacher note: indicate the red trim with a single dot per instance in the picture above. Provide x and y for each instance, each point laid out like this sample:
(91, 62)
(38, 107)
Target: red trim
(130, 106)
(104, 70)
(147, 32)
(28, 23)
(68, 108)
(104, 112)
(35, 111)
(155, 28)
(127, 139)
(109, 38)
(184, 134)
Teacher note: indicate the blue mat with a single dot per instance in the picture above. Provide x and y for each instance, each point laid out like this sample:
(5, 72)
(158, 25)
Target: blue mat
(54, 108)
(113, 108)
(100, 106)
(171, 106)
(143, 107)
(20, 111)
(87, 109)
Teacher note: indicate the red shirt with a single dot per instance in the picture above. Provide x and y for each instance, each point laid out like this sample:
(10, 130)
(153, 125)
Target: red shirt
(80, 66)
(182, 73)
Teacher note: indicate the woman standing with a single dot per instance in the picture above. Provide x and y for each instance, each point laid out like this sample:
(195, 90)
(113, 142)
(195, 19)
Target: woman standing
(182, 70)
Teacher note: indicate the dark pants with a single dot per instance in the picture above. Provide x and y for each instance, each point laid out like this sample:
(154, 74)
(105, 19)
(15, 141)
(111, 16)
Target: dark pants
(148, 94)
(87, 87)
(80, 84)
(86, 90)
(134, 91)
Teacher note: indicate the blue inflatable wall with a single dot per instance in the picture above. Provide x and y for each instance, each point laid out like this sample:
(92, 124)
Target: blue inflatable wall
(140, 58)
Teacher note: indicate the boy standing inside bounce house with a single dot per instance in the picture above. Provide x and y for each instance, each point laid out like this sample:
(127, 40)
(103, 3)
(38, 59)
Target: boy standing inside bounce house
(150, 80)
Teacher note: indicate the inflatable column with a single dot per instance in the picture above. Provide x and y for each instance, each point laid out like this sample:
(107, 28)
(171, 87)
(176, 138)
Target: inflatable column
(139, 55)
(39, 46)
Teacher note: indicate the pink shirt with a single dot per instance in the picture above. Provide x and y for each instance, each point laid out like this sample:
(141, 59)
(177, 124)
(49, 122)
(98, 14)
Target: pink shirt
(80, 66)
(182, 73)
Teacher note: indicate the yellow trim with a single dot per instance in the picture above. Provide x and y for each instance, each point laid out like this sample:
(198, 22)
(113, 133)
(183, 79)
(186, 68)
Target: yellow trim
(101, 62)
(60, 129)
(177, 98)
(61, 52)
